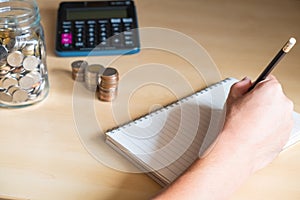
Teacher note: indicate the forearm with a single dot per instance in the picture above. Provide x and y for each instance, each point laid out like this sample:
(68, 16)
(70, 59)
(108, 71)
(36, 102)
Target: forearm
(215, 176)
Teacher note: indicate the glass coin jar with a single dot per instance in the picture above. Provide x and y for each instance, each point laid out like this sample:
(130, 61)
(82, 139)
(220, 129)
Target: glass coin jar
(23, 69)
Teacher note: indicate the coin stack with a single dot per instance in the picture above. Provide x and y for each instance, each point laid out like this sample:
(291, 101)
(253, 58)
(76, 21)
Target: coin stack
(78, 68)
(91, 76)
(108, 85)
(21, 69)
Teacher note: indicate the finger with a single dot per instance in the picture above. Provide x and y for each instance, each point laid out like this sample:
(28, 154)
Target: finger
(240, 88)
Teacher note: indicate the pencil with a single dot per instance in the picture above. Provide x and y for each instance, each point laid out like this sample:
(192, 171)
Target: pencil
(283, 51)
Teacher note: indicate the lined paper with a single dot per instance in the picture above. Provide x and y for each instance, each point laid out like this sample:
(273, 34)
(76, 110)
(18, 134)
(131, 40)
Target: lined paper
(166, 142)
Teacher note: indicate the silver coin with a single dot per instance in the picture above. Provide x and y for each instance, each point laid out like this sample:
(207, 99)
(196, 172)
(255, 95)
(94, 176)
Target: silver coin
(36, 76)
(30, 63)
(12, 89)
(5, 97)
(110, 72)
(3, 63)
(4, 70)
(79, 65)
(95, 68)
(26, 82)
(15, 59)
(91, 76)
(8, 82)
(20, 96)
(28, 50)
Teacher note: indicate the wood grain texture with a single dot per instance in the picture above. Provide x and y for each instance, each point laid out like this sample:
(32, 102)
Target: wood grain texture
(41, 155)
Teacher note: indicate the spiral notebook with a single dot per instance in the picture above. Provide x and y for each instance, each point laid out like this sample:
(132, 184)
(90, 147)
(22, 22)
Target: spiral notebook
(166, 142)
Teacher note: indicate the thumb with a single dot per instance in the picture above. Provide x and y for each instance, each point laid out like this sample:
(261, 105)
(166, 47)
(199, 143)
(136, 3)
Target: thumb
(240, 88)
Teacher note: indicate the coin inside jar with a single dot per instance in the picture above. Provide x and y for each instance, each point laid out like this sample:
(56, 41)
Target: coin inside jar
(26, 82)
(15, 59)
(4, 34)
(4, 70)
(30, 63)
(12, 89)
(2, 63)
(3, 52)
(20, 95)
(28, 50)
(8, 82)
(5, 97)
(10, 44)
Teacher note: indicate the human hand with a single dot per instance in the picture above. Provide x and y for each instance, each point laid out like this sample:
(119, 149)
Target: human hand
(257, 123)
(257, 126)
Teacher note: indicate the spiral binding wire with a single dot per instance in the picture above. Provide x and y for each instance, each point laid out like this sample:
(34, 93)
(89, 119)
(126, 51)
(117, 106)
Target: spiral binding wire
(167, 107)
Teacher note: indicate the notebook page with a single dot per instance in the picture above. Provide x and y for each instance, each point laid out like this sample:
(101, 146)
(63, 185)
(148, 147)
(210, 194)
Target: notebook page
(168, 141)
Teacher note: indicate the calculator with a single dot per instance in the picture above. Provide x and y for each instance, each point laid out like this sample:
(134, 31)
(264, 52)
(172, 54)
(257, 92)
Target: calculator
(97, 28)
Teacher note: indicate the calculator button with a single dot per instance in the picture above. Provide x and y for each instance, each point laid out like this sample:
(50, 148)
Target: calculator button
(102, 39)
(69, 27)
(129, 43)
(127, 33)
(115, 20)
(127, 20)
(116, 29)
(103, 21)
(66, 46)
(79, 39)
(80, 34)
(79, 22)
(66, 38)
(66, 30)
(91, 35)
(79, 27)
(66, 23)
(90, 22)
(127, 28)
(79, 44)
(117, 41)
(91, 44)
(103, 29)
(91, 30)
(104, 43)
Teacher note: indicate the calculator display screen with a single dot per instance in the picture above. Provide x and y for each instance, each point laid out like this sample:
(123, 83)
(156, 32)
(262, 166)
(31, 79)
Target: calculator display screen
(92, 13)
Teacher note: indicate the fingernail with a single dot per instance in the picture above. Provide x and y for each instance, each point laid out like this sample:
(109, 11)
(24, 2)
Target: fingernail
(245, 78)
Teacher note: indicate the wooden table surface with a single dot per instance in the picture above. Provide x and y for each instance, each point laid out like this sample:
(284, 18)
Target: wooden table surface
(44, 152)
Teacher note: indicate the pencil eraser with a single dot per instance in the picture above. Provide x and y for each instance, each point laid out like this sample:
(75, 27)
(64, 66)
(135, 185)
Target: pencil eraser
(289, 45)
(292, 41)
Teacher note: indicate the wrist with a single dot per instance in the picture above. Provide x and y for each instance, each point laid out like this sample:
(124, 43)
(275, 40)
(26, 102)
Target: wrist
(232, 155)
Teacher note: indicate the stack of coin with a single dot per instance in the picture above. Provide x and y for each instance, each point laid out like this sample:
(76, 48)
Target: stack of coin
(78, 68)
(108, 85)
(91, 74)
